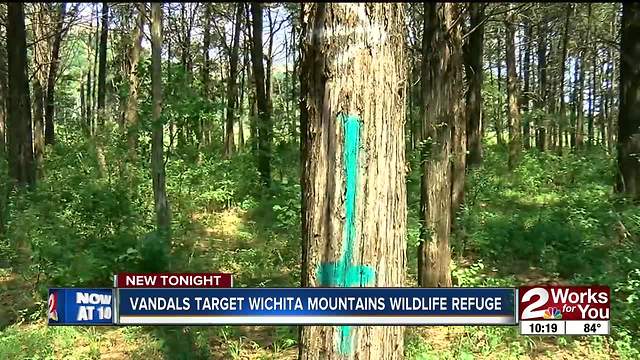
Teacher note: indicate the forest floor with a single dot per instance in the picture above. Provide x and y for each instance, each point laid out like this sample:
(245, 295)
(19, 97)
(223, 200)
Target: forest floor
(552, 220)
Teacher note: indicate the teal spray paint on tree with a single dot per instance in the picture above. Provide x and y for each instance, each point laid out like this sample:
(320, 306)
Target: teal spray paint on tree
(344, 273)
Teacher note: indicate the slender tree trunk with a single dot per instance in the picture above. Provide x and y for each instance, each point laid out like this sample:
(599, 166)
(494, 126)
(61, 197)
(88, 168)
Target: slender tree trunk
(515, 137)
(526, 67)
(102, 77)
(41, 61)
(20, 151)
(83, 105)
(352, 111)
(441, 85)
(163, 218)
(49, 135)
(4, 91)
(94, 100)
(628, 181)
(205, 128)
(474, 74)
(264, 112)
(574, 107)
(610, 119)
(542, 84)
(232, 86)
(131, 112)
(498, 119)
(580, 107)
(241, 103)
(38, 126)
(563, 61)
(592, 90)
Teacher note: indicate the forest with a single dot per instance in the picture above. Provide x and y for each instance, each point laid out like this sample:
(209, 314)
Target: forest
(428, 144)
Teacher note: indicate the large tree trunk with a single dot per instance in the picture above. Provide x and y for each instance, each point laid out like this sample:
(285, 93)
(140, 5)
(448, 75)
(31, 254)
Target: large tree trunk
(441, 85)
(628, 181)
(515, 136)
(20, 152)
(161, 201)
(232, 86)
(131, 112)
(49, 134)
(474, 73)
(353, 180)
(264, 125)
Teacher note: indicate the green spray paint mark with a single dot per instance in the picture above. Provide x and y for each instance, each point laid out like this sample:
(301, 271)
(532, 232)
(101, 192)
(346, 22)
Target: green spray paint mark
(343, 273)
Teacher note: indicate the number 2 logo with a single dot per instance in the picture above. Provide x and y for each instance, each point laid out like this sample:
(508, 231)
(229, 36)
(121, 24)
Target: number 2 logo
(529, 312)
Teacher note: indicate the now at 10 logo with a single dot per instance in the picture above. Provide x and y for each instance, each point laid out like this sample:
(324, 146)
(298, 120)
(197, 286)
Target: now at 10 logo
(564, 302)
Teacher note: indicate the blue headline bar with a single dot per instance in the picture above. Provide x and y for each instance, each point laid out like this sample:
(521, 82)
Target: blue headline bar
(311, 305)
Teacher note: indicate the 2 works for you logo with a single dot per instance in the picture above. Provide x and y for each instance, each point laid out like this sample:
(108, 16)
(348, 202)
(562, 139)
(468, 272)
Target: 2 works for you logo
(564, 303)
(52, 313)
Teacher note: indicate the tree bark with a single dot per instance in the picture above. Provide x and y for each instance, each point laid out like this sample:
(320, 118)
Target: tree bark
(4, 91)
(49, 133)
(102, 66)
(161, 201)
(131, 112)
(563, 60)
(526, 68)
(264, 125)
(352, 111)
(441, 85)
(498, 120)
(542, 84)
(20, 151)
(38, 125)
(232, 86)
(628, 181)
(515, 137)
(474, 73)
(41, 54)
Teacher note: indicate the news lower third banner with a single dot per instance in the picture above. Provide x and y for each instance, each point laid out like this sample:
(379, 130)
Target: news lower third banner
(293, 306)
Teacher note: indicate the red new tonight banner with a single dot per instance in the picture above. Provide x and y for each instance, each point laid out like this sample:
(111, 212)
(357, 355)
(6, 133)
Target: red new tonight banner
(564, 302)
(173, 280)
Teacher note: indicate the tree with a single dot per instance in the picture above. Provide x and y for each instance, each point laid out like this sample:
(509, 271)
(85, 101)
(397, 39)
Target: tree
(232, 86)
(515, 137)
(441, 86)
(41, 54)
(526, 74)
(352, 112)
(49, 134)
(131, 111)
(474, 74)
(161, 201)
(20, 152)
(563, 64)
(628, 181)
(265, 126)
(3, 97)
(541, 134)
(102, 67)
